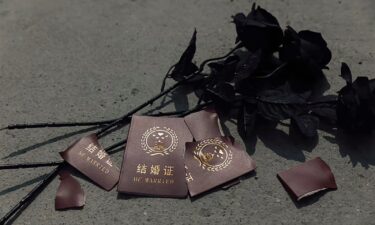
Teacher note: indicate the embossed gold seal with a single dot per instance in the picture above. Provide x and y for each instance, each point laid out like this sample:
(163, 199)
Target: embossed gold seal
(213, 154)
(159, 141)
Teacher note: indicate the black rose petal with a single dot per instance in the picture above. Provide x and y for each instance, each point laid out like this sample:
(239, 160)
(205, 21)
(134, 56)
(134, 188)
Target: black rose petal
(306, 46)
(258, 30)
(185, 66)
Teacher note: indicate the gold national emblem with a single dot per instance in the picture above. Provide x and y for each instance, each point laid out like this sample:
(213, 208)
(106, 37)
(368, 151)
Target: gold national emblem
(213, 154)
(159, 141)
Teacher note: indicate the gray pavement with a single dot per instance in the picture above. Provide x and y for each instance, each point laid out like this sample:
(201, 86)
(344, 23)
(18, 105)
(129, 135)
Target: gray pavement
(88, 60)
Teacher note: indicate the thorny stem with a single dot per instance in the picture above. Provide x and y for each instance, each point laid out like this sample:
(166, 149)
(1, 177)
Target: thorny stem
(72, 124)
(156, 97)
(32, 194)
(167, 75)
(333, 101)
(37, 189)
(55, 163)
(107, 122)
(54, 124)
(278, 69)
(30, 165)
(41, 185)
(141, 106)
(201, 66)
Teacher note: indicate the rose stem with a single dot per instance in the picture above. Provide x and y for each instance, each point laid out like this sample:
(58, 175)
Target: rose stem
(55, 163)
(32, 194)
(156, 97)
(166, 77)
(29, 165)
(35, 191)
(72, 124)
(104, 122)
(42, 184)
(62, 124)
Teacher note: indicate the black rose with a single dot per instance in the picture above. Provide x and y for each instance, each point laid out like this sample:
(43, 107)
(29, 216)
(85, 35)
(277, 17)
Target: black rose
(306, 46)
(258, 30)
(356, 103)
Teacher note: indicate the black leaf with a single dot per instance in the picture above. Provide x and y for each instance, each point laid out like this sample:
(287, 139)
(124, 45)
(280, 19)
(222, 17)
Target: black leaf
(306, 124)
(185, 66)
(222, 92)
(326, 113)
(331, 99)
(266, 75)
(346, 73)
(258, 30)
(325, 108)
(276, 105)
(223, 71)
(247, 66)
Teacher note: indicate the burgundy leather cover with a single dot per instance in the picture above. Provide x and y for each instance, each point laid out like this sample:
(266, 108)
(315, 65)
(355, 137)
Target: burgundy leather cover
(69, 194)
(153, 163)
(87, 156)
(307, 178)
(204, 124)
(213, 162)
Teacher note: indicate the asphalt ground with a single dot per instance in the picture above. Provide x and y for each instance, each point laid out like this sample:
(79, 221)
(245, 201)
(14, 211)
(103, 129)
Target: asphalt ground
(91, 60)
